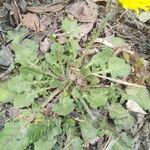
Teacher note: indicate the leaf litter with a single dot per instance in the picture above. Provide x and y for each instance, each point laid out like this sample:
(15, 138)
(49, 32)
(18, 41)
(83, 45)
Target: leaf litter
(72, 96)
(83, 12)
(35, 24)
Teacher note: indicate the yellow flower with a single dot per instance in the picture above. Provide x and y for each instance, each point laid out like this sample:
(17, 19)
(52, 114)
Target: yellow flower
(136, 5)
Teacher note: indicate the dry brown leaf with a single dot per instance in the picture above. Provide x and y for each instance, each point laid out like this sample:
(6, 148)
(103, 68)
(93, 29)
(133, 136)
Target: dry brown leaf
(95, 140)
(46, 8)
(85, 28)
(61, 39)
(133, 106)
(48, 110)
(13, 112)
(83, 12)
(139, 68)
(44, 46)
(32, 22)
(90, 52)
(81, 81)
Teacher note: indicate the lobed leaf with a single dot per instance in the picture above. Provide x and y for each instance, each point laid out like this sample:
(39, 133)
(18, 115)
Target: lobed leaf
(71, 27)
(117, 67)
(64, 106)
(140, 95)
(24, 99)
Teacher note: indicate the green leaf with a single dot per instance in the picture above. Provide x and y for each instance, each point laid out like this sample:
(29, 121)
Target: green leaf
(18, 85)
(47, 134)
(29, 70)
(24, 99)
(76, 144)
(122, 118)
(124, 123)
(71, 27)
(51, 58)
(85, 72)
(56, 47)
(101, 58)
(26, 52)
(17, 36)
(140, 95)
(88, 131)
(5, 95)
(73, 141)
(117, 67)
(48, 141)
(75, 93)
(107, 63)
(114, 93)
(64, 106)
(124, 143)
(14, 136)
(36, 131)
(54, 83)
(116, 111)
(93, 80)
(42, 143)
(97, 98)
(30, 73)
(74, 47)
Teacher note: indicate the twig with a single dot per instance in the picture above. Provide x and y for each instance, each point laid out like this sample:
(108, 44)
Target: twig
(18, 10)
(52, 95)
(68, 144)
(111, 144)
(118, 81)
(122, 15)
(8, 71)
(124, 48)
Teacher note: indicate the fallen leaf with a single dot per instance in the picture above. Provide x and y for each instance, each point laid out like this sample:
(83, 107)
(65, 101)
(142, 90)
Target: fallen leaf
(13, 112)
(95, 140)
(133, 106)
(46, 8)
(48, 110)
(44, 46)
(85, 28)
(32, 22)
(81, 81)
(61, 39)
(90, 52)
(144, 16)
(103, 41)
(83, 12)
(139, 67)
(140, 96)
(6, 56)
